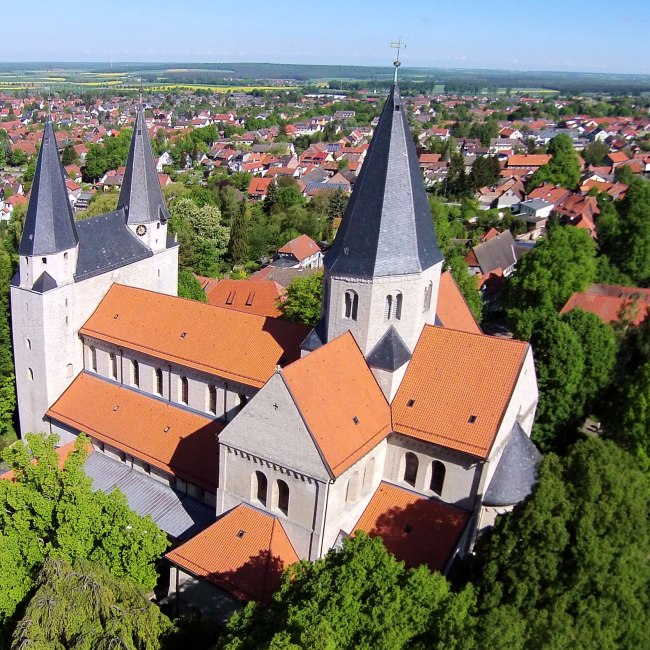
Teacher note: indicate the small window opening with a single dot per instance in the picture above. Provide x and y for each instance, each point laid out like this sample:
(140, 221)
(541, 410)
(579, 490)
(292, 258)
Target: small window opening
(183, 335)
(231, 297)
(44, 260)
(159, 381)
(472, 419)
(249, 300)
(212, 406)
(410, 403)
(185, 390)
(355, 419)
(241, 533)
(283, 497)
(136, 373)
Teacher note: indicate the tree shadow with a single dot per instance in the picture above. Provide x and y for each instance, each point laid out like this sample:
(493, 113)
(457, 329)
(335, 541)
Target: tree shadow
(426, 531)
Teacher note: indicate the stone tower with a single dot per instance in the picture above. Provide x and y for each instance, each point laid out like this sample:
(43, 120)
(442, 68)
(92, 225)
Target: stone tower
(66, 268)
(382, 273)
(140, 196)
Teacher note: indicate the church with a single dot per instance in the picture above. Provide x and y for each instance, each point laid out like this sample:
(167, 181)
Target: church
(252, 441)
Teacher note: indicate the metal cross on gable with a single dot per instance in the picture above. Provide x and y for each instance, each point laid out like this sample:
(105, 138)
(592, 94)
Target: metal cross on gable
(398, 45)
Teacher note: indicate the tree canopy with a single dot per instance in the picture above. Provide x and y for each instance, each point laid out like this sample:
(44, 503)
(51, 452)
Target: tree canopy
(560, 264)
(569, 567)
(47, 511)
(563, 169)
(83, 606)
(302, 302)
(357, 597)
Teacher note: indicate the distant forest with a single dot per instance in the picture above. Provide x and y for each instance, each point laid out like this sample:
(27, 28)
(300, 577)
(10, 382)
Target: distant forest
(454, 80)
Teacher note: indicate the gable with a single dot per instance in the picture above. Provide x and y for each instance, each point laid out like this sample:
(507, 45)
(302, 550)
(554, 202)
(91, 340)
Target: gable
(271, 427)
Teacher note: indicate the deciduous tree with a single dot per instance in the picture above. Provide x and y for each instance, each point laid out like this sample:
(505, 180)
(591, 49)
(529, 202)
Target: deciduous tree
(302, 302)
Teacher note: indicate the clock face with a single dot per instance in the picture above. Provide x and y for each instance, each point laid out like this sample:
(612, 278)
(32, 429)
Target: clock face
(141, 230)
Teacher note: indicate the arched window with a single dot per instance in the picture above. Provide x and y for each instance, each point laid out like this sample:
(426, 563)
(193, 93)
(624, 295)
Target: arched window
(113, 366)
(388, 309)
(28, 344)
(411, 465)
(438, 472)
(185, 390)
(30, 374)
(68, 371)
(283, 497)
(368, 474)
(351, 304)
(65, 256)
(398, 306)
(212, 399)
(135, 373)
(428, 291)
(93, 359)
(159, 381)
(260, 485)
(352, 490)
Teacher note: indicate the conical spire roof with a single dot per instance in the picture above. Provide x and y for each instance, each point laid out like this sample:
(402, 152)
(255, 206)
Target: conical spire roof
(387, 228)
(49, 223)
(140, 195)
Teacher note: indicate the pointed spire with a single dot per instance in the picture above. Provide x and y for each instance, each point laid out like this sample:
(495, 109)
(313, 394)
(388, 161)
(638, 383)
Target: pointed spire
(140, 195)
(387, 228)
(49, 223)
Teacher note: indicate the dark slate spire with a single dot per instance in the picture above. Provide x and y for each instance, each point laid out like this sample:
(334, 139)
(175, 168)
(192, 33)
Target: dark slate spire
(387, 228)
(49, 224)
(516, 473)
(140, 195)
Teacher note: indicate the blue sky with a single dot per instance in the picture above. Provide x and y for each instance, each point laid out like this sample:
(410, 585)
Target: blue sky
(594, 36)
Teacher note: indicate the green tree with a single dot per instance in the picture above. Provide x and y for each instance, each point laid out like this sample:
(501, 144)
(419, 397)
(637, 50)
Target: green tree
(563, 168)
(83, 606)
(190, 287)
(101, 203)
(559, 361)
(456, 263)
(69, 155)
(303, 299)
(569, 567)
(599, 349)
(595, 153)
(47, 511)
(238, 242)
(358, 597)
(561, 263)
(228, 205)
(7, 379)
(18, 157)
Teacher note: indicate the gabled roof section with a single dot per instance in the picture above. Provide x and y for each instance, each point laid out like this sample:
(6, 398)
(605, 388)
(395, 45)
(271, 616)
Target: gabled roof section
(415, 529)
(452, 310)
(244, 553)
(516, 473)
(316, 338)
(340, 402)
(390, 352)
(259, 297)
(456, 389)
(49, 224)
(230, 344)
(107, 243)
(387, 228)
(140, 195)
(170, 438)
(44, 283)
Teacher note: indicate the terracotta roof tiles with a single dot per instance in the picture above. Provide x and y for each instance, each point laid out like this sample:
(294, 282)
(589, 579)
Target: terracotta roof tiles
(415, 529)
(234, 345)
(170, 438)
(244, 553)
(458, 385)
(452, 310)
(340, 402)
(301, 247)
(251, 296)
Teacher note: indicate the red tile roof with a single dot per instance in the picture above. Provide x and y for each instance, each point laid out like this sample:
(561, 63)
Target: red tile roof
(251, 296)
(301, 248)
(612, 302)
(244, 553)
(242, 347)
(62, 454)
(528, 160)
(452, 310)
(170, 438)
(340, 402)
(414, 529)
(550, 193)
(459, 385)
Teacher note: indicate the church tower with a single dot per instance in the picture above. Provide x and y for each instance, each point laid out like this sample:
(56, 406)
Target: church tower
(382, 272)
(141, 197)
(42, 292)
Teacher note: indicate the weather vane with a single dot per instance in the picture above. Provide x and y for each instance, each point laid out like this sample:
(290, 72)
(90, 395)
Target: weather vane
(398, 45)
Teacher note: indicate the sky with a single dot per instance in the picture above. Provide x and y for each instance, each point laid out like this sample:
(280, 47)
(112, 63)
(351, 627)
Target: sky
(593, 36)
